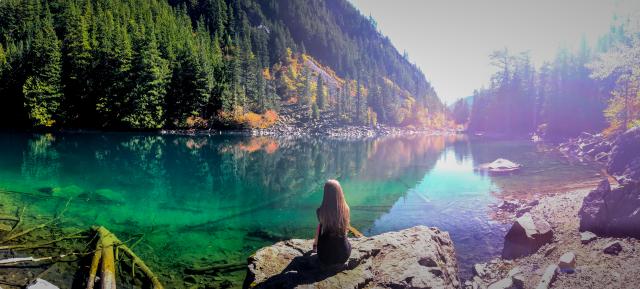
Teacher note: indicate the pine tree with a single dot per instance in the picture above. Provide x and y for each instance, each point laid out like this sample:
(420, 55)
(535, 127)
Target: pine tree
(149, 74)
(76, 67)
(42, 89)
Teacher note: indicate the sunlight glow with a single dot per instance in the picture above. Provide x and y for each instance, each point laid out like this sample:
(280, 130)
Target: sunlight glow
(451, 40)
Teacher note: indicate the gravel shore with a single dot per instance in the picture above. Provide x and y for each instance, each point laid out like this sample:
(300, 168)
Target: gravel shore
(594, 268)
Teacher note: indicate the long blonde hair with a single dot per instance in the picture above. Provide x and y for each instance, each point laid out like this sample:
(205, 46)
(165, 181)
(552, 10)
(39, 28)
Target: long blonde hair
(334, 214)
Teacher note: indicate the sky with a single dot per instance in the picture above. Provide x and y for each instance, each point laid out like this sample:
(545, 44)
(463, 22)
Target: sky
(450, 40)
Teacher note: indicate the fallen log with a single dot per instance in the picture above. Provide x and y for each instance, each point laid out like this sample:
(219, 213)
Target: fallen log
(108, 242)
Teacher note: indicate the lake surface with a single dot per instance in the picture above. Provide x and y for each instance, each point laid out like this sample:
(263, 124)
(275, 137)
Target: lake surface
(199, 200)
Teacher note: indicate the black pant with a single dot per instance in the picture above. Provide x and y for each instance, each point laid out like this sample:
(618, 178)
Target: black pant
(333, 249)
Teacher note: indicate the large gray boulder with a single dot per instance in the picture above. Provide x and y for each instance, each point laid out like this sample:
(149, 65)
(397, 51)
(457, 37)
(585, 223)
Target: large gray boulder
(608, 212)
(417, 257)
(526, 236)
(624, 160)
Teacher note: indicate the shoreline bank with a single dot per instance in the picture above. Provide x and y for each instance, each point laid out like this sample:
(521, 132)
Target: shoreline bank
(594, 268)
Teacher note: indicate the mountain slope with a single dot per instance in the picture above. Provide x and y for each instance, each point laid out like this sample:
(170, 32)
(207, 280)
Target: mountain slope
(197, 64)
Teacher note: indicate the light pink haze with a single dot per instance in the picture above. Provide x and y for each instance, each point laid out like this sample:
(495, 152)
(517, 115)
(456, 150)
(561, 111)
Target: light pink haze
(450, 40)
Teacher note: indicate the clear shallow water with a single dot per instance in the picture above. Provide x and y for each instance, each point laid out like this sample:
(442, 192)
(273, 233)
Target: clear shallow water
(202, 199)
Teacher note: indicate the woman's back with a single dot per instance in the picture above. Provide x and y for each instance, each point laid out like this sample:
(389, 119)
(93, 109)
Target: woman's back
(333, 248)
(333, 216)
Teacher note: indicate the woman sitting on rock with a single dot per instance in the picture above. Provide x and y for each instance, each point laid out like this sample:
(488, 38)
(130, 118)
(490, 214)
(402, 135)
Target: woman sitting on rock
(331, 241)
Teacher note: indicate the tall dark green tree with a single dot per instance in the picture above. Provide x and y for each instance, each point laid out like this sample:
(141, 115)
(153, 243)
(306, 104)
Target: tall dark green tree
(150, 73)
(43, 89)
(76, 67)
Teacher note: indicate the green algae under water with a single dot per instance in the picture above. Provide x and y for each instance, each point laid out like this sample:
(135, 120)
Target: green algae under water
(199, 200)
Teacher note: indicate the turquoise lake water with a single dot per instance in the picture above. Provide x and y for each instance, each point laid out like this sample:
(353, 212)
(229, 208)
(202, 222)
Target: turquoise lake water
(200, 200)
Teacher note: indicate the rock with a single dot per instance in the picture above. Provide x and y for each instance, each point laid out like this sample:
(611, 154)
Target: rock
(610, 212)
(550, 250)
(477, 283)
(518, 281)
(586, 237)
(520, 212)
(613, 248)
(624, 160)
(526, 236)
(417, 257)
(515, 271)
(500, 166)
(480, 270)
(548, 277)
(567, 262)
(506, 283)
(41, 284)
(509, 206)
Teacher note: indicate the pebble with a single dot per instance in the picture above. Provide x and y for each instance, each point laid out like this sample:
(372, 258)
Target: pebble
(548, 277)
(586, 237)
(613, 248)
(567, 262)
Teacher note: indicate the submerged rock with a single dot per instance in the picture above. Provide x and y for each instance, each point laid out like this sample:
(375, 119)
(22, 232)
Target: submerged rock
(417, 257)
(624, 160)
(612, 212)
(41, 284)
(526, 236)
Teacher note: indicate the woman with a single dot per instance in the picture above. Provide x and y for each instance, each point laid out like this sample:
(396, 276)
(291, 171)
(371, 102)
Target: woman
(331, 241)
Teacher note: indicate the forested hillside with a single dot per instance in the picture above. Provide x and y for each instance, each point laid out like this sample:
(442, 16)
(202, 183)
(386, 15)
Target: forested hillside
(591, 89)
(140, 64)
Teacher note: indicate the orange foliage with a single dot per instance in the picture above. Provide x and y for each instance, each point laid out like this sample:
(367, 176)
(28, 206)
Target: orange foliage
(248, 119)
(196, 122)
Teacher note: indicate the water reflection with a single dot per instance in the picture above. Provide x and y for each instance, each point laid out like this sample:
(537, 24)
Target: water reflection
(222, 197)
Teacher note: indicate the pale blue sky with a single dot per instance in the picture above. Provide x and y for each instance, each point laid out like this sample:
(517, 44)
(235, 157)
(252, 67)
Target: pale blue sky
(450, 40)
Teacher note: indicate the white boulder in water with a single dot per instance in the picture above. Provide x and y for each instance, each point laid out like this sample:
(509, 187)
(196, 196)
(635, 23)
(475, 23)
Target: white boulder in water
(500, 166)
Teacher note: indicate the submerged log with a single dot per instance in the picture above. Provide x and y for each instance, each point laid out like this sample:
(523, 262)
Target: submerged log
(106, 245)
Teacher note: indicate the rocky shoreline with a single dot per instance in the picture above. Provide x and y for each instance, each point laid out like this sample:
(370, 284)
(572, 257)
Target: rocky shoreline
(294, 121)
(417, 257)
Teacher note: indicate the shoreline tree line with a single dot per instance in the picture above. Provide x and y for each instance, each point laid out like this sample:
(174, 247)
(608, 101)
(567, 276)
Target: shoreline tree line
(134, 64)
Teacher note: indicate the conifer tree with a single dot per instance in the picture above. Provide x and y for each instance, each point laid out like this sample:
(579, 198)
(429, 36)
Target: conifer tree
(42, 89)
(149, 75)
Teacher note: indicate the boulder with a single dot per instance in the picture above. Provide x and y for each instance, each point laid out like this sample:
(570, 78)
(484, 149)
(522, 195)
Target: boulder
(613, 248)
(500, 166)
(417, 257)
(567, 262)
(506, 283)
(610, 212)
(526, 236)
(624, 160)
(586, 237)
(549, 276)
